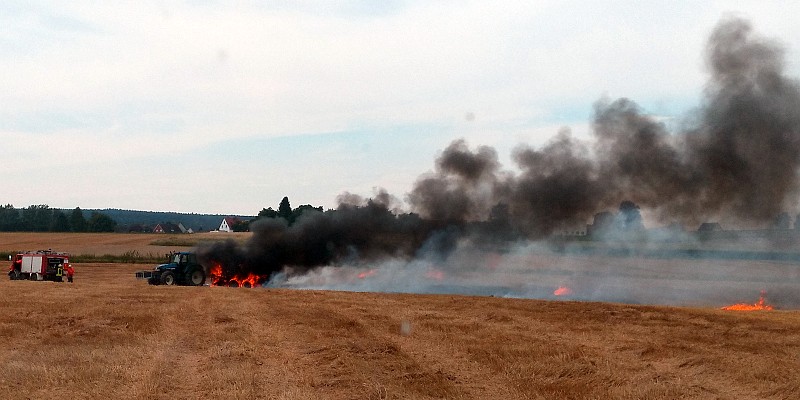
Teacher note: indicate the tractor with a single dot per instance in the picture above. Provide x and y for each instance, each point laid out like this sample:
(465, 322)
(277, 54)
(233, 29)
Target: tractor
(181, 268)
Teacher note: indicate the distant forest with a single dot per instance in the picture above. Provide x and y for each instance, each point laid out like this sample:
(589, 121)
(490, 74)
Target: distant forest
(131, 219)
(42, 218)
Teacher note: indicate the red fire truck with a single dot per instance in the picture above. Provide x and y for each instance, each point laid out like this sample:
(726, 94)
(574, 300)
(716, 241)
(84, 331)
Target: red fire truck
(42, 265)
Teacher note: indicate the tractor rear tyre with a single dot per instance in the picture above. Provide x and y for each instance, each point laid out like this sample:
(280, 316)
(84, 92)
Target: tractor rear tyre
(168, 278)
(196, 277)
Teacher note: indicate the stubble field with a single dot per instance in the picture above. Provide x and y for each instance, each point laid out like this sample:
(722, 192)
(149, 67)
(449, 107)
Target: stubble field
(111, 336)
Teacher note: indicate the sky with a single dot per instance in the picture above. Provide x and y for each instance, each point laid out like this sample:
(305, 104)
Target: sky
(227, 107)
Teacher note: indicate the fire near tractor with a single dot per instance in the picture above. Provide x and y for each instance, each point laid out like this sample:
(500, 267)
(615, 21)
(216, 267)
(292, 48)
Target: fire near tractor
(42, 265)
(181, 268)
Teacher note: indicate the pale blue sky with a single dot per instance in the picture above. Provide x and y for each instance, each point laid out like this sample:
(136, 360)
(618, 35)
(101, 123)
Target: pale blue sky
(226, 107)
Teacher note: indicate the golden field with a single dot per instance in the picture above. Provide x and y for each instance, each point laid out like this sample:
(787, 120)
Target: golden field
(111, 336)
(108, 243)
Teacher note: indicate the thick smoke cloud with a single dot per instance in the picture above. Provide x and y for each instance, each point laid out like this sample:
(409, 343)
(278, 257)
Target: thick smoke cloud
(351, 234)
(737, 156)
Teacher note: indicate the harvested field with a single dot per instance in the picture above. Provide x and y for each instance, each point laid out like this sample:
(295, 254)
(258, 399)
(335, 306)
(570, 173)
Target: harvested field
(109, 243)
(110, 336)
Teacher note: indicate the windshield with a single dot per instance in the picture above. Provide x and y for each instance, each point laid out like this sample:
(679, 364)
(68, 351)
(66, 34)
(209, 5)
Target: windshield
(180, 258)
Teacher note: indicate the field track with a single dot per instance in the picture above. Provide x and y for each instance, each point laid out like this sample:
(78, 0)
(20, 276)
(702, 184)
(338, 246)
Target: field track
(111, 336)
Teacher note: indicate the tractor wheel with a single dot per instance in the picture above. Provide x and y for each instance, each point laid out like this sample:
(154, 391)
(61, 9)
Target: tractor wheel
(196, 278)
(168, 278)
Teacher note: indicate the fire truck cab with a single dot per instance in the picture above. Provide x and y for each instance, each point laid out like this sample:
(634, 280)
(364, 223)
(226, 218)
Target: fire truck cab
(42, 265)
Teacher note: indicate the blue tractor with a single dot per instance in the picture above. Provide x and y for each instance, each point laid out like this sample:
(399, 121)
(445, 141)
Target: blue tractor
(181, 268)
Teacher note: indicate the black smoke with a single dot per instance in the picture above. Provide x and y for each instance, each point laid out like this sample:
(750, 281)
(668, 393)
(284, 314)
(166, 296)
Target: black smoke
(352, 234)
(736, 155)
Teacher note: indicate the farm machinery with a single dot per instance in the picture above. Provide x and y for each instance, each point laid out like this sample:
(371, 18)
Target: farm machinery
(41, 265)
(182, 268)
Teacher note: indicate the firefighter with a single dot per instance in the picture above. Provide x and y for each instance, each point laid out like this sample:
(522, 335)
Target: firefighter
(70, 272)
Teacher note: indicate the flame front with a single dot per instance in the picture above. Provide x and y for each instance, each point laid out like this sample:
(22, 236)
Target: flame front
(435, 274)
(761, 304)
(251, 280)
(366, 274)
(218, 278)
(562, 291)
(216, 274)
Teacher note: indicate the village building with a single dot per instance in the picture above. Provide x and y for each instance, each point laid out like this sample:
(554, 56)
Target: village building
(227, 224)
(169, 227)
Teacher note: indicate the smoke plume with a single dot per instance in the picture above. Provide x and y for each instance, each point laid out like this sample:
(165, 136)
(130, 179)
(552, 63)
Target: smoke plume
(737, 156)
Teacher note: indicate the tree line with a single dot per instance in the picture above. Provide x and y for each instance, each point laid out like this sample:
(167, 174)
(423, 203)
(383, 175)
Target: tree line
(42, 218)
(284, 211)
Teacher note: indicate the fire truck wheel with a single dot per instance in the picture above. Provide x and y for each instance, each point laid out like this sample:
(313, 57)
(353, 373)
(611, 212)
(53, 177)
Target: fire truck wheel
(168, 278)
(14, 275)
(196, 278)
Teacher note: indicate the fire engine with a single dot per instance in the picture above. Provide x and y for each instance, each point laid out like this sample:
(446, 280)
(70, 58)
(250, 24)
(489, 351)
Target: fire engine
(42, 265)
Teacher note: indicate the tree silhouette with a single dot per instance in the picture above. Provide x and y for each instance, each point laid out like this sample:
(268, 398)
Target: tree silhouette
(267, 213)
(60, 222)
(630, 219)
(285, 210)
(77, 221)
(100, 222)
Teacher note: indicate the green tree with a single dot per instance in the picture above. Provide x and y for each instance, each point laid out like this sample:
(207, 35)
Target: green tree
(285, 210)
(77, 221)
(100, 222)
(59, 222)
(9, 218)
(629, 217)
(306, 208)
(241, 226)
(268, 213)
(37, 218)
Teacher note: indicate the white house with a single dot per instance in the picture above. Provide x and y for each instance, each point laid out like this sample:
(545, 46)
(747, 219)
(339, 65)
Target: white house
(227, 224)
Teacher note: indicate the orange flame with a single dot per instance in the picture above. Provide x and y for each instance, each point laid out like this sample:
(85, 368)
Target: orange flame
(366, 274)
(562, 291)
(435, 274)
(758, 306)
(249, 281)
(216, 274)
(217, 278)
